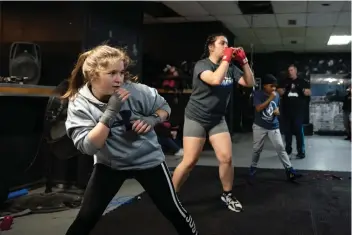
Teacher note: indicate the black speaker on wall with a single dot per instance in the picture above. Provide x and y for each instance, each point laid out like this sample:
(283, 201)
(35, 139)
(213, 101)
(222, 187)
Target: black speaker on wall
(25, 62)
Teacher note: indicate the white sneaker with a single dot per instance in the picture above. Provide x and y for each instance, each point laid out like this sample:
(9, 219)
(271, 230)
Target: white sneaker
(179, 153)
(231, 202)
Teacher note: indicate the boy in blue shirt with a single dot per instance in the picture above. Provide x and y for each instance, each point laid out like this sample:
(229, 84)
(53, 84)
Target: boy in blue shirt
(266, 123)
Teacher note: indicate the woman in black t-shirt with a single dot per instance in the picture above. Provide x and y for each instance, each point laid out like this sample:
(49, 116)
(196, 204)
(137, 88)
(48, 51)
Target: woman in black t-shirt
(213, 79)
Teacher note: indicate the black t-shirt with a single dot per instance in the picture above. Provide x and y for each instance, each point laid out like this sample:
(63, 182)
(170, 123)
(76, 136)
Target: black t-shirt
(294, 101)
(208, 104)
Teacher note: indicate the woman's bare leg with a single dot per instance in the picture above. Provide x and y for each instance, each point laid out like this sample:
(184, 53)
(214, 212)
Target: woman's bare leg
(192, 147)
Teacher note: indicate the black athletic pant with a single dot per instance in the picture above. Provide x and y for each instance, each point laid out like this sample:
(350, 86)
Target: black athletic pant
(293, 125)
(105, 183)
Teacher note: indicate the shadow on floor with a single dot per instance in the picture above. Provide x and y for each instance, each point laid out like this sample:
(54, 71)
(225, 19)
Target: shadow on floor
(318, 204)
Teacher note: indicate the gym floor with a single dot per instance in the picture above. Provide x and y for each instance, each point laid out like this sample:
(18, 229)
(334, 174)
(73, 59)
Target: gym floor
(323, 153)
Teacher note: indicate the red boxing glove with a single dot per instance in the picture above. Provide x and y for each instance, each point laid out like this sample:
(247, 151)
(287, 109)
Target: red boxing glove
(228, 53)
(240, 56)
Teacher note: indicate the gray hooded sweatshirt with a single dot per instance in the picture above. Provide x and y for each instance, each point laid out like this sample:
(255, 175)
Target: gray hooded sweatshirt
(124, 149)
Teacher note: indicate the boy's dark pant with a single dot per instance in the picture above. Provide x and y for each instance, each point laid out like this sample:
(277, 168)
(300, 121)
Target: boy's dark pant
(168, 143)
(346, 123)
(293, 125)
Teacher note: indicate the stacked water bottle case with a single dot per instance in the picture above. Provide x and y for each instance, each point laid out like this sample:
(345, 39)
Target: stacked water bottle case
(326, 116)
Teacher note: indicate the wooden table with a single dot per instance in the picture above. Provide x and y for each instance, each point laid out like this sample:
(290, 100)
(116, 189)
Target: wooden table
(10, 89)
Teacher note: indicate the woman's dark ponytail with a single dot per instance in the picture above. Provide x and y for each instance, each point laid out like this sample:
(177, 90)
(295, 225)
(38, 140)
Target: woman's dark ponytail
(210, 40)
(206, 49)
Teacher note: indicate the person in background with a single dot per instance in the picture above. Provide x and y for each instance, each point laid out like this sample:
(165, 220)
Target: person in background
(213, 79)
(167, 138)
(294, 92)
(266, 123)
(112, 118)
(347, 113)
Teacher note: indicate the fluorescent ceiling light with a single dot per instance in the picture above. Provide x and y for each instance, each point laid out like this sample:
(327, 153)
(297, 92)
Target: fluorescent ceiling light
(339, 39)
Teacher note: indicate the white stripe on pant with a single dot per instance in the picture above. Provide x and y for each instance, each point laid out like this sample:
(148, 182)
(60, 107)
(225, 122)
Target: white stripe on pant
(259, 134)
(174, 196)
(180, 208)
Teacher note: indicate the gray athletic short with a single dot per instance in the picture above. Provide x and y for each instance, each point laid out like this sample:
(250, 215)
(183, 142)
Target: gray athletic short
(193, 128)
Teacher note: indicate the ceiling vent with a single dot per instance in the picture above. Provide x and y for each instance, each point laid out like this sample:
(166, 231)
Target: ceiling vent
(158, 9)
(255, 7)
(292, 22)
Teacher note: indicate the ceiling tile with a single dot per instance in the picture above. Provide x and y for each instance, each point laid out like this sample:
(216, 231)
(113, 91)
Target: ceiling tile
(150, 21)
(221, 8)
(344, 19)
(172, 19)
(317, 40)
(341, 31)
(282, 20)
(319, 31)
(244, 33)
(270, 33)
(289, 6)
(317, 6)
(273, 48)
(288, 40)
(249, 19)
(187, 8)
(295, 48)
(248, 32)
(319, 35)
(257, 48)
(270, 41)
(260, 50)
(246, 36)
(260, 21)
(235, 21)
(347, 6)
(293, 32)
(342, 48)
(200, 18)
(319, 19)
(248, 47)
(315, 47)
(145, 15)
